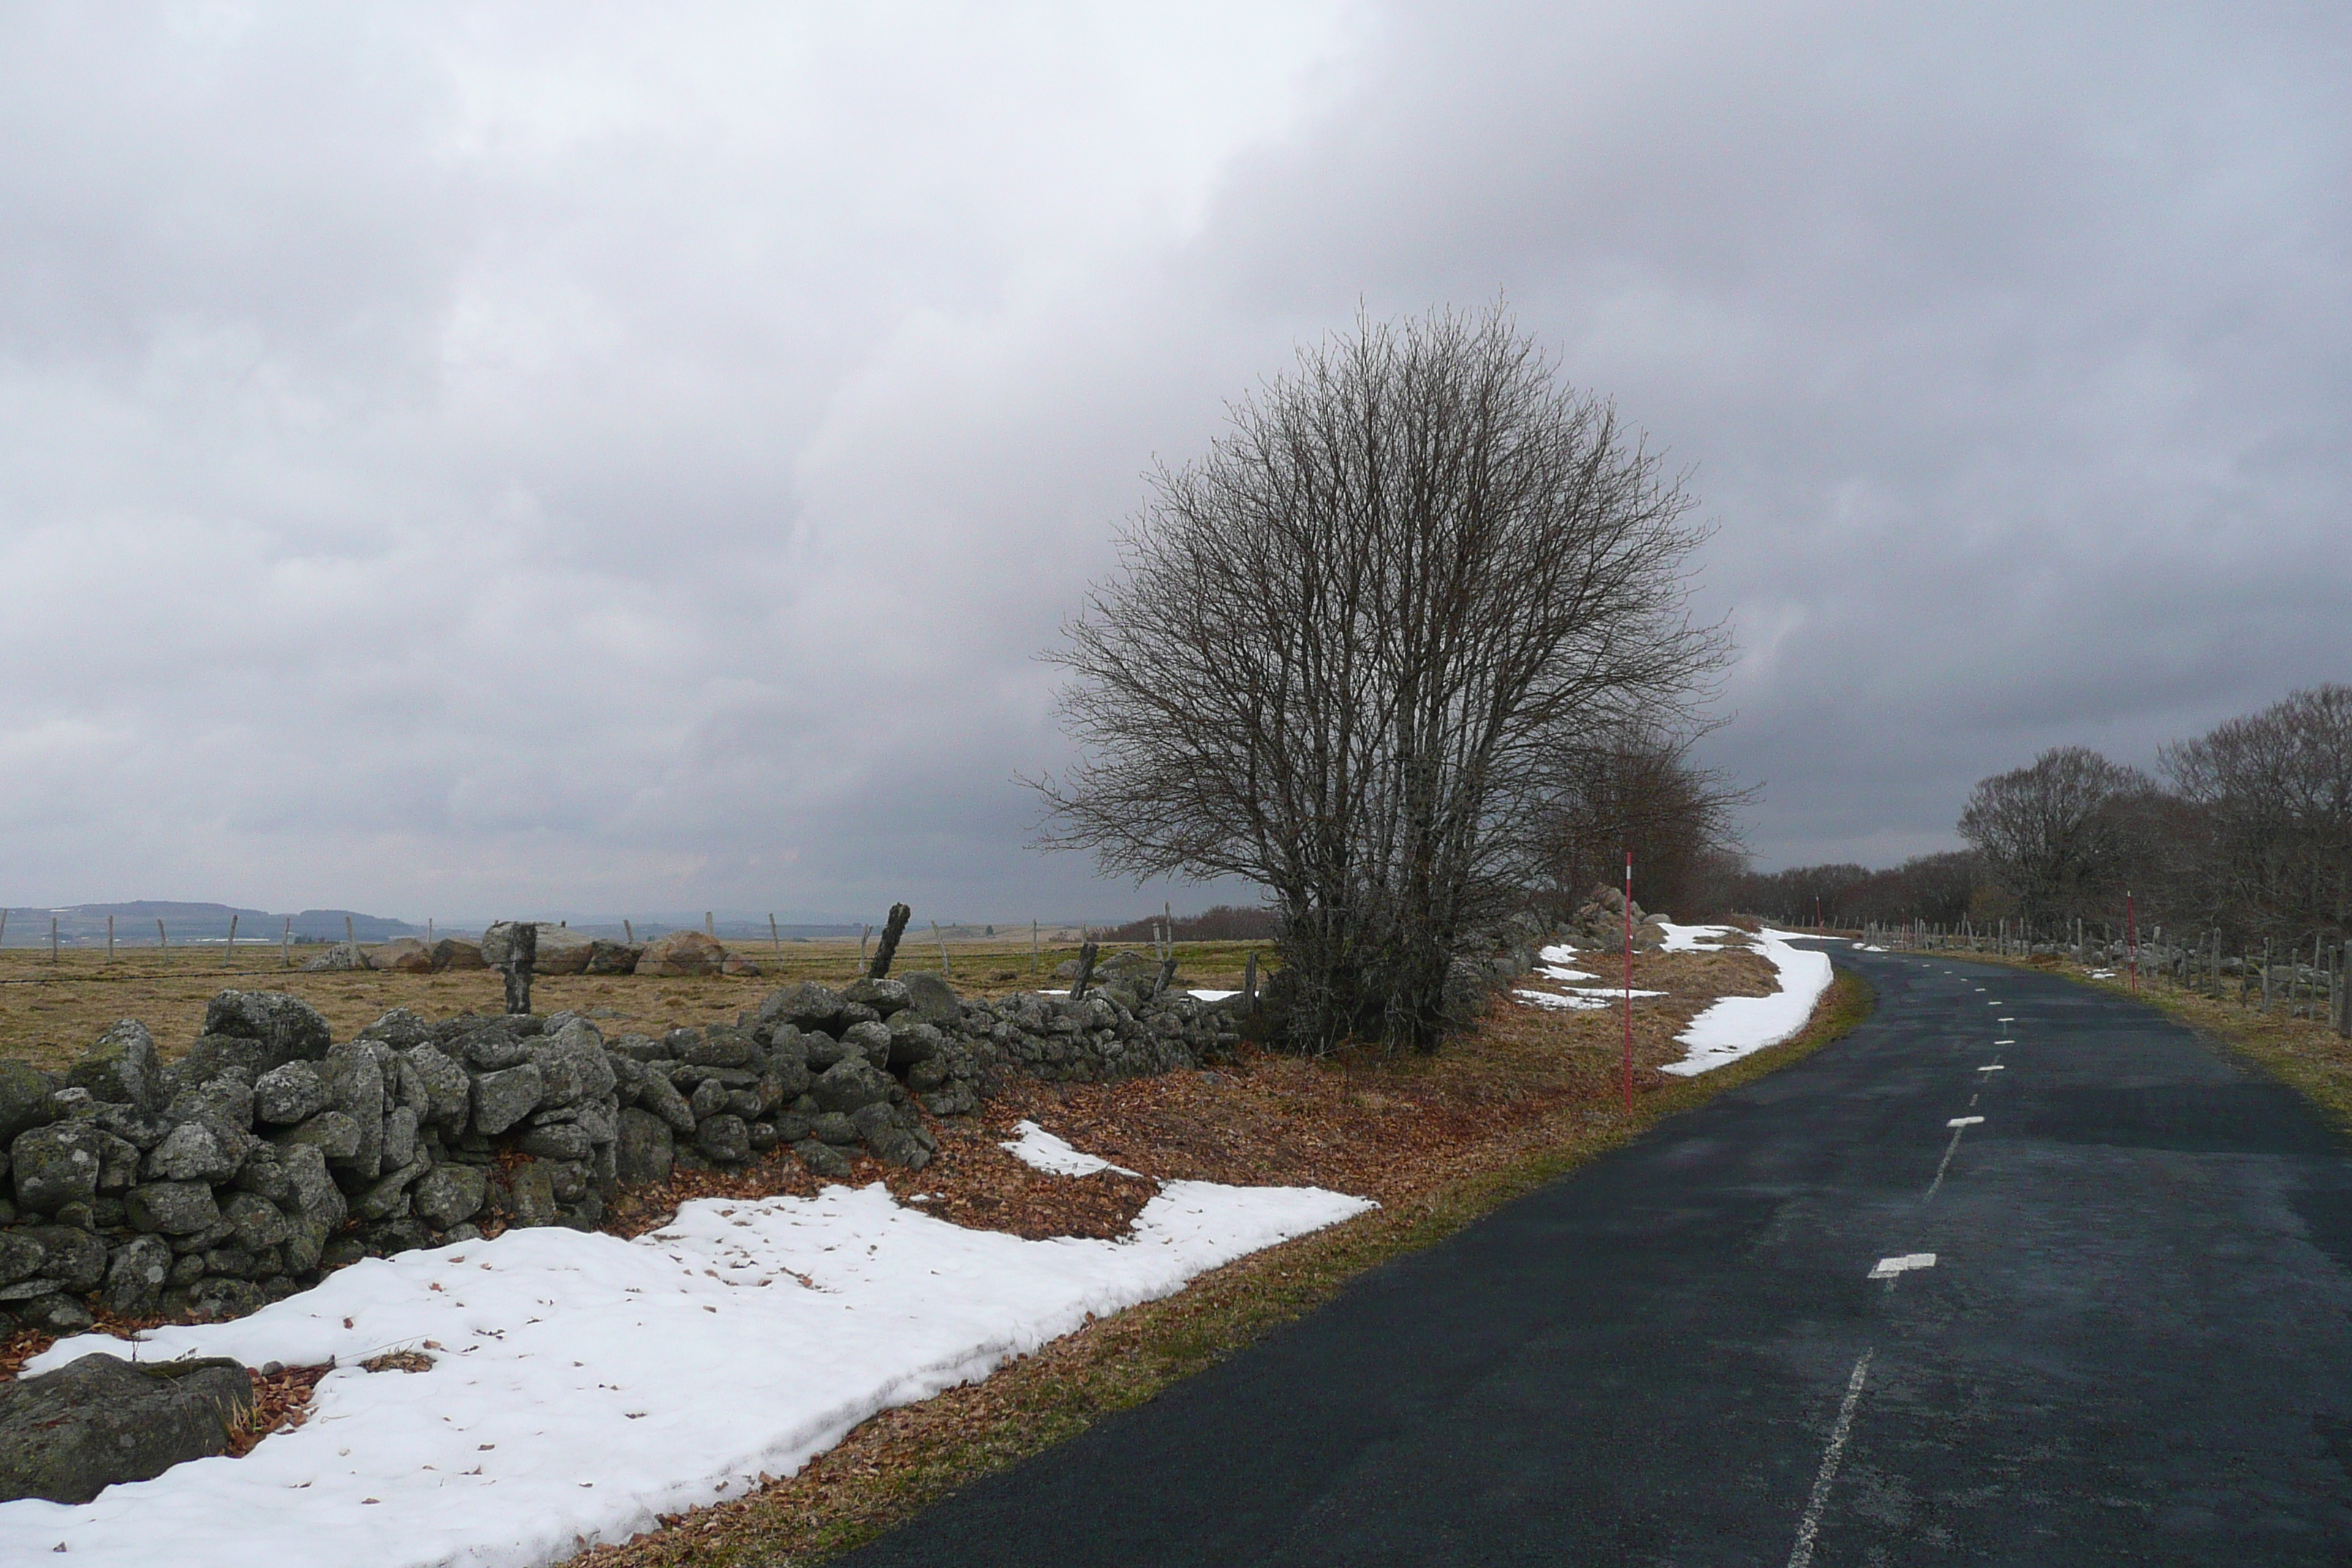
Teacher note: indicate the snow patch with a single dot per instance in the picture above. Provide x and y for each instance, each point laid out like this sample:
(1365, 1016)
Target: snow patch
(1041, 1151)
(1738, 1026)
(582, 1385)
(1574, 1003)
(1696, 939)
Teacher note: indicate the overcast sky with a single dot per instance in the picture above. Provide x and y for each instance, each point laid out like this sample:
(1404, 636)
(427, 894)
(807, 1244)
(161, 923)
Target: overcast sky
(587, 458)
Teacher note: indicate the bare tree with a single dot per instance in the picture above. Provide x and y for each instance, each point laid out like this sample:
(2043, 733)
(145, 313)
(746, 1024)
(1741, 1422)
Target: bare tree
(2062, 834)
(1640, 792)
(2271, 808)
(1357, 648)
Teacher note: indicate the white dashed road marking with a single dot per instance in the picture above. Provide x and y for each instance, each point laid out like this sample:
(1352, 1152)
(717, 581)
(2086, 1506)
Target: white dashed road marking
(1888, 1268)
(1964, 1122)
(1809, 1526)
(1996, 1066)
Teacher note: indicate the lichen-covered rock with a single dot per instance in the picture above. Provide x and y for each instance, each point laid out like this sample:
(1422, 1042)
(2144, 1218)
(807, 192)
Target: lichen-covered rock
(287, 1029)
(531, 1199)
(446, 1085)
(887, 1140)
(884, 997)
(832, 1127)
(453, 952)
(870, 1039)
(122, 1068)
(657, 1094)
(56, 1165)
(448, 1194)
(335, 1135)
(134, 1279)
(68, 1434)
(259, 1222)
(194, 1152)
(387, 1197)
(609, 957)
(646, 1147)
(502, 1099)
(402, 1028)
(560, 1141)
(822, 1159)
(931, 998)
(24, 1099)
(724, 1140)
(807, 1005)
(289, 1093)
(400, 1145)
(72, 1261)
(850, 1083)
(172, 1208)
(571, 1064)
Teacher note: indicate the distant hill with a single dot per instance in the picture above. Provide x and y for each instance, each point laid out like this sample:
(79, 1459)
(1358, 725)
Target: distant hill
(191, 924)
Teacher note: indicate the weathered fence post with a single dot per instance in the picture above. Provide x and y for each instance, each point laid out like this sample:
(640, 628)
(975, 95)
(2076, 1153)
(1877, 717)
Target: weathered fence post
(162, 941)
(53, 939)
(2340, 991)
(629, 932)
(285, 943)
(230, 956)
(775, 937)
(1249, 984)
(709, 926)
(1033, 946)
(512, 949)
(1086, 952)
(887, 948)
(110, 937)
(940, 937)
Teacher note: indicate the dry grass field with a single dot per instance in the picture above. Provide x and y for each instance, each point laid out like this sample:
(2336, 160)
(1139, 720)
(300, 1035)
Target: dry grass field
(50, 1012)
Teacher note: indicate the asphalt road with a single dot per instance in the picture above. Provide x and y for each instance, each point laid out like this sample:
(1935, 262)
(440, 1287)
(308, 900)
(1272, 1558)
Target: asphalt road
(2132, 1346)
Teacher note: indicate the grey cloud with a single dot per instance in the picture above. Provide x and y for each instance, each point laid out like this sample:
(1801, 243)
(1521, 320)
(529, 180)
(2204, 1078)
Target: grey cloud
(453, 460)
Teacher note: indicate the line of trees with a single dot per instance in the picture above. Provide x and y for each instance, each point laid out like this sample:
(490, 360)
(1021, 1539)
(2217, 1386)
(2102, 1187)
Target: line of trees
(2244, 833)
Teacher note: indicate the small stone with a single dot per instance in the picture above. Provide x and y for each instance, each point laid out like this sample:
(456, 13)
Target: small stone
(503, 1098)
(532, 1200)
(724, 1140)
(56, 1165)
(259, 1222)
(193, 1152)
(122, 1068)
(450, 1193)
(76, 1260)
(572, 1065)
(832, 1127)
(135, 1280)
(871, 1040)
(287, 1028)
(645, 1148)
(681, 953)
(333, 1133)
(562, 1140)
(852, 1082)
(289, 1093)
(57, 1314)
(387, 1198)
(822, 1159)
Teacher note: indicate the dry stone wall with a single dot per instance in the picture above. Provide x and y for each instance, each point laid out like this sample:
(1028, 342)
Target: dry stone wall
(270, 1152)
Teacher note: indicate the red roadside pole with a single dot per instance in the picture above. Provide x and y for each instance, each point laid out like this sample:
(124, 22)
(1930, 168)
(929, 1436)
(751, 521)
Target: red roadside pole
(2131, 938)
(1629, 982)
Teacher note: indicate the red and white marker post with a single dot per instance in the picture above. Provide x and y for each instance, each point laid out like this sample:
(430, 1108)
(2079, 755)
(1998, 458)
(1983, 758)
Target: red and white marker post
(1629, 982)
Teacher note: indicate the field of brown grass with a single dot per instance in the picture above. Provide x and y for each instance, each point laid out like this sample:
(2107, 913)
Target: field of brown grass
(50, 1012)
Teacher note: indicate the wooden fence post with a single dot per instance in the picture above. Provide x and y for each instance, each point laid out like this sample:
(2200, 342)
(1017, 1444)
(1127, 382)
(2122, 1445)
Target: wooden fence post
(709, 926)
(1032, 944)
(229, 957)
(629, 932)
(943, 941)
(53, 939)
(162, 941)
(285, 943)
(775, 937)
(110, 937)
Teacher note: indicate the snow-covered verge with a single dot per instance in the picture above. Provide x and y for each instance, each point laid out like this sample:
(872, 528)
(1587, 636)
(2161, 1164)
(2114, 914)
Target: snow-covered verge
(582, 1385)
(1740, 1027)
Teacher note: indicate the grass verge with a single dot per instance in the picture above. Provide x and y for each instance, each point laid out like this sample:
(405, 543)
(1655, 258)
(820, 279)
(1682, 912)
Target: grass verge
(904, 1460)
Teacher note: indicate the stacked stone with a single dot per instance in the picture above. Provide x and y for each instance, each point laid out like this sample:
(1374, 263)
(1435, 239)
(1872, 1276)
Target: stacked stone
(268, 1152)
